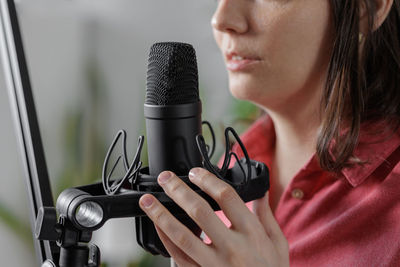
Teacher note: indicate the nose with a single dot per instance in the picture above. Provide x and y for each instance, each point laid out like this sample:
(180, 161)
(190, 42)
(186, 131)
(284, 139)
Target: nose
(230, 17)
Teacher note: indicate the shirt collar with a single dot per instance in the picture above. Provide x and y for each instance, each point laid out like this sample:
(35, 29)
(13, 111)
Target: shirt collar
(373, 149)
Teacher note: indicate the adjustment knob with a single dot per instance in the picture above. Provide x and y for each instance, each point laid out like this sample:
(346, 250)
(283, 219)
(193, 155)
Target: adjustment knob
(46, 227)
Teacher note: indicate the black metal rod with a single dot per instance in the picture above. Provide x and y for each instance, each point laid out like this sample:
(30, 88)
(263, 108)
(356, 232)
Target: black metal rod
(26, 123)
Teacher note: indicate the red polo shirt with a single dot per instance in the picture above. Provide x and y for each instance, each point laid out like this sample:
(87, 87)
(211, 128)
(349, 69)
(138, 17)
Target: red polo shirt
(348, 220)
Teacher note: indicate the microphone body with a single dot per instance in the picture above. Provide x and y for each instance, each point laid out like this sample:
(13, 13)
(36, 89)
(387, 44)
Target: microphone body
(173, 120)
(171, 137)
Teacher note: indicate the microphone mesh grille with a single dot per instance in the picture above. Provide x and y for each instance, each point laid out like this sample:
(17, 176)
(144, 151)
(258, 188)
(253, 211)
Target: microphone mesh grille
(172, 76)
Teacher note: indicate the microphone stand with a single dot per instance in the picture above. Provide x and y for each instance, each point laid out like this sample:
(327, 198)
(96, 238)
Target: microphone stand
(31, 149)
(26, 123)
(48, 252)
(27, 128)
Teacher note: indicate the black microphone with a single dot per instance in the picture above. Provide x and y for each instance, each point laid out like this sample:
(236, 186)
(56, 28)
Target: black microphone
(173, 120)
(172, 109)
(173, 123)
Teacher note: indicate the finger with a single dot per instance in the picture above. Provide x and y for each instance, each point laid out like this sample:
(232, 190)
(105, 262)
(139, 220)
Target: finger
(264, 213)
(179, 234)
(230, 202)
(176, 253)
(195, 206)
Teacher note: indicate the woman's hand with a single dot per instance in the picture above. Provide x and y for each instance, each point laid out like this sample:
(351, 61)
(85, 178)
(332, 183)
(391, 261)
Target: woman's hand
(254, 239)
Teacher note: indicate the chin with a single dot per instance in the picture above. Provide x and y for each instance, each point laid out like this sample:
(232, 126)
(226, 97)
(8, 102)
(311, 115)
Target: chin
(246, 86)
(239, 93)
(245, 92)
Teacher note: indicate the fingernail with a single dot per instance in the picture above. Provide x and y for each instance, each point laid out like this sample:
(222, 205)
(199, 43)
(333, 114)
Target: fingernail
(163, 177)
(147, 201)
(193, 172)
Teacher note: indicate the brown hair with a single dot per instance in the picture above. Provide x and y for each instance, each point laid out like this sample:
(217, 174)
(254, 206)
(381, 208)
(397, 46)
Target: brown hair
(361, 86)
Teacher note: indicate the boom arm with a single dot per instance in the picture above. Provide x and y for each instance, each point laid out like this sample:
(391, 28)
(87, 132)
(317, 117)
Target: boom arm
(26, 123)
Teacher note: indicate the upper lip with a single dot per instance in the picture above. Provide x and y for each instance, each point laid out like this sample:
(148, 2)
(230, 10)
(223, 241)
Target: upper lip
(249, 56)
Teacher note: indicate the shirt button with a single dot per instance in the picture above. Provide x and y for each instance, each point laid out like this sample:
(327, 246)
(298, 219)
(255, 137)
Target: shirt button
(297, 193)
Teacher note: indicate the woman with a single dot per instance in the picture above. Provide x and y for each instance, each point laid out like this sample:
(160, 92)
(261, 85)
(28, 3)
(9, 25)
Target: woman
(327, 74)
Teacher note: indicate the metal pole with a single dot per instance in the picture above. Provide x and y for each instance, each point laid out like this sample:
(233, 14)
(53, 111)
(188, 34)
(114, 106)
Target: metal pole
(26, 123)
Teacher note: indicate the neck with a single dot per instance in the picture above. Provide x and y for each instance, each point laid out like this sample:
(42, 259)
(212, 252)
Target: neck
(296, 132)
(296, 129)
(297, 122)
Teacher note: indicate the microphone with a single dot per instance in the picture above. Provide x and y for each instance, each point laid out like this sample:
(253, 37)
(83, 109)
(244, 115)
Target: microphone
(172, 109)
(173, 120)
(174, 140)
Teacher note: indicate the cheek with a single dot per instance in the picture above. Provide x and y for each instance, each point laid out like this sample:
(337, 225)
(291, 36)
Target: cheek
(305, 47)
(309, 40)
(296, 46)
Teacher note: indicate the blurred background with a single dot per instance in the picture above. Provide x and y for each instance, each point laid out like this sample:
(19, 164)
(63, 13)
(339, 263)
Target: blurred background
(87, 62)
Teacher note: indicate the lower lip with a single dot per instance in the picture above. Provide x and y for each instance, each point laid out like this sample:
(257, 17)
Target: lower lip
(241, 65)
